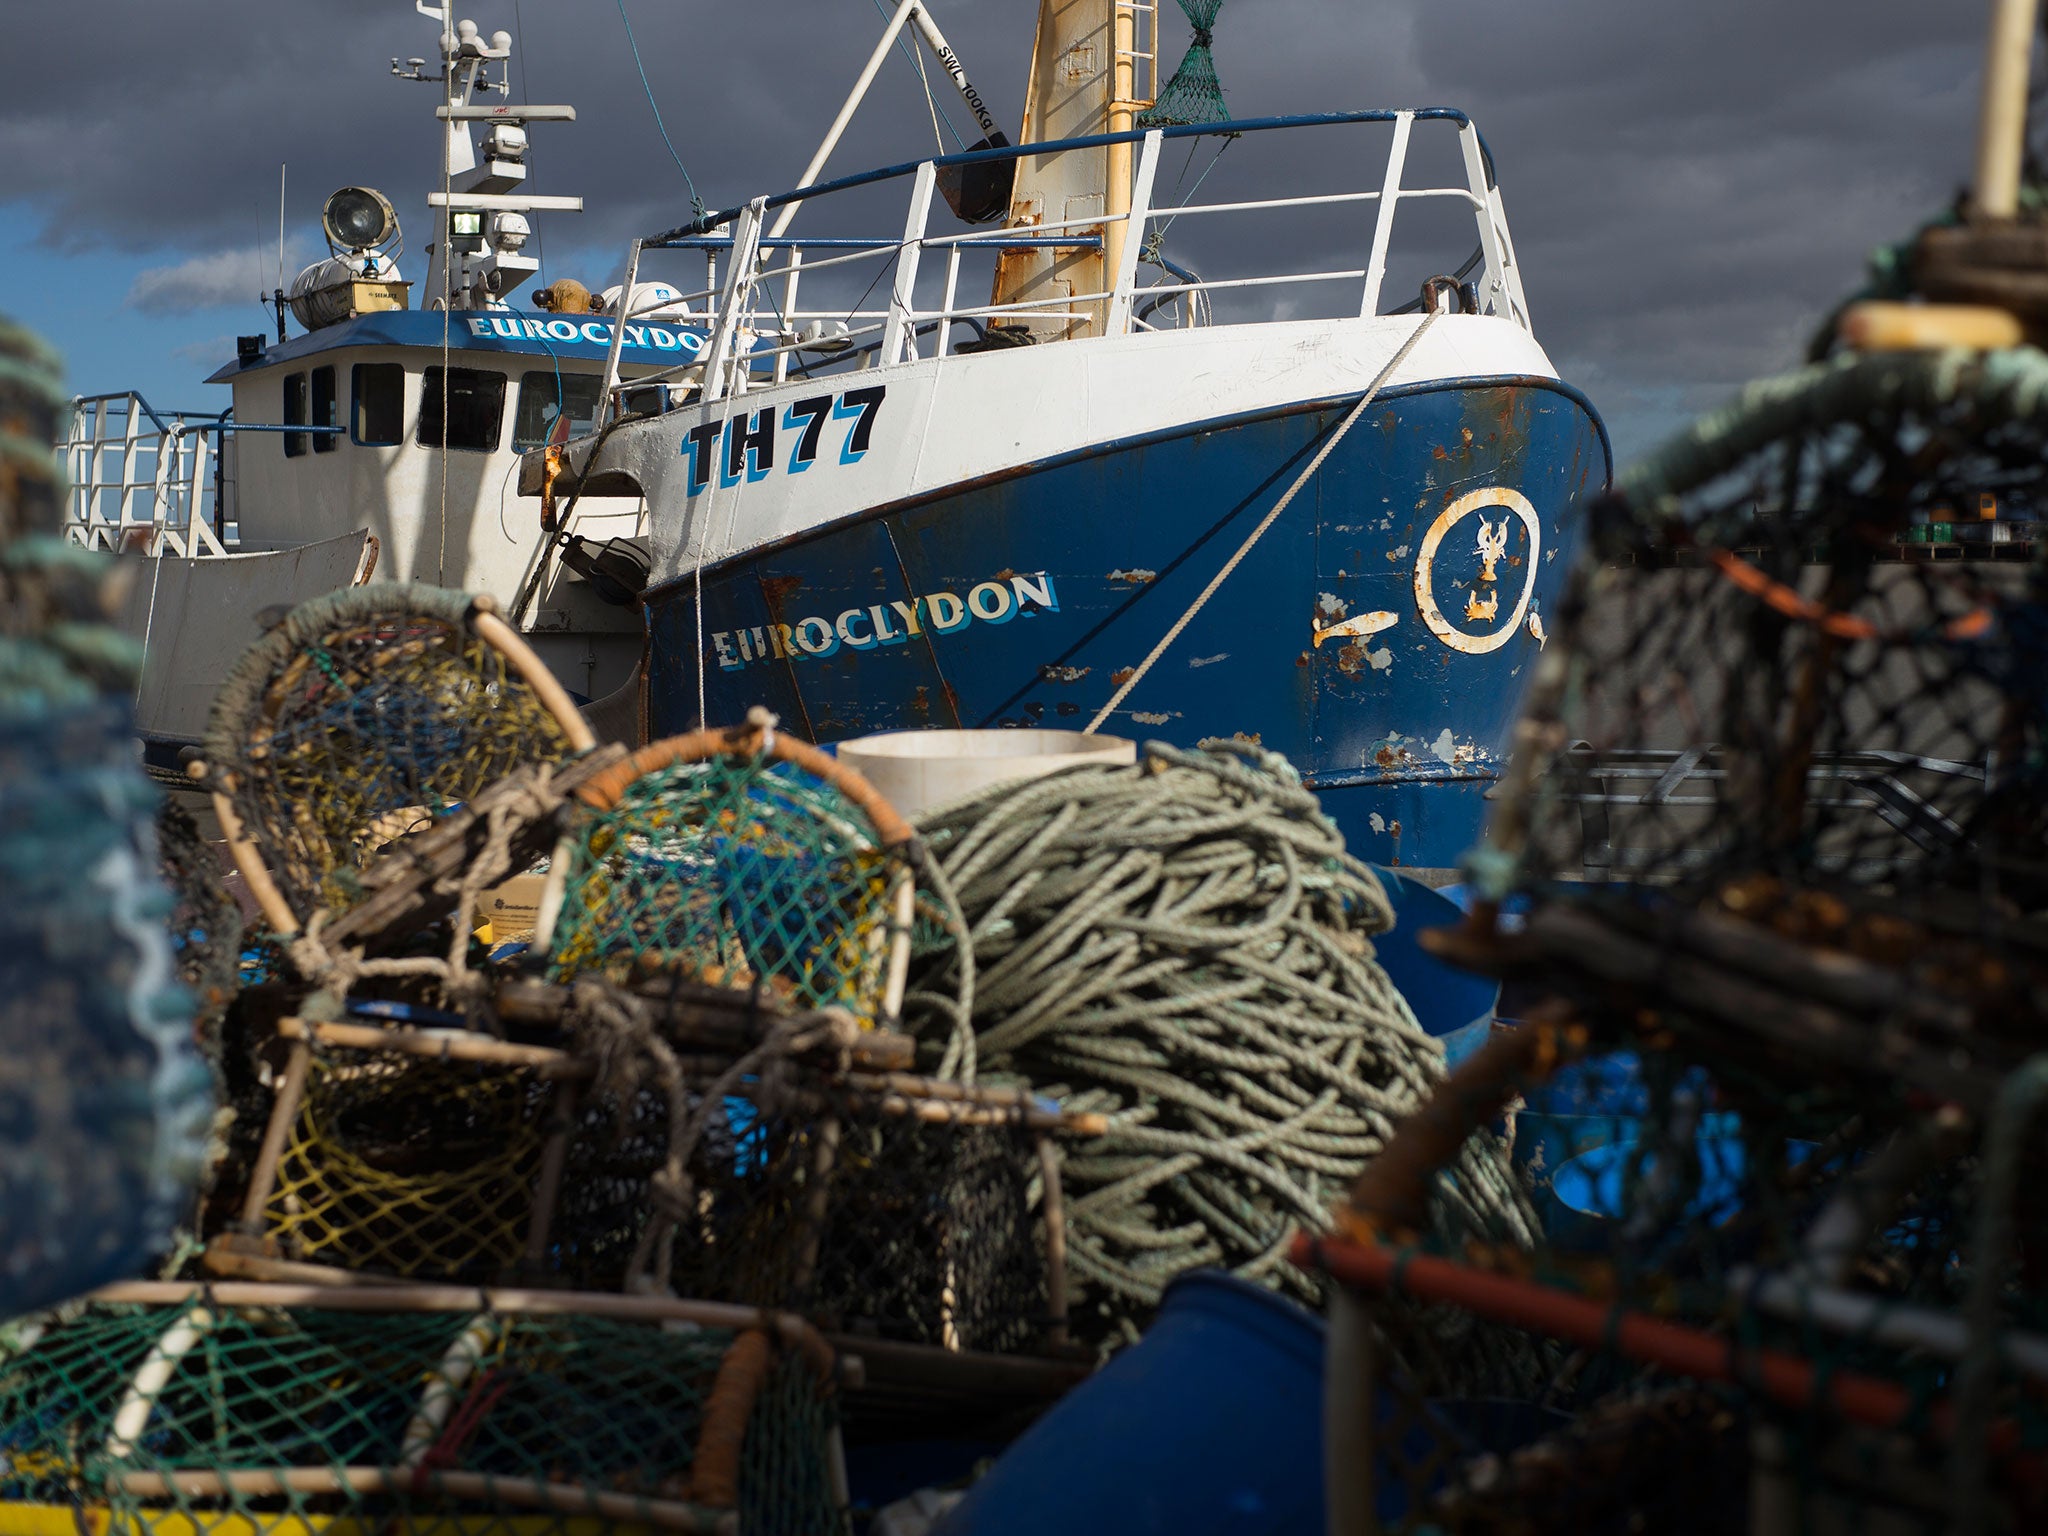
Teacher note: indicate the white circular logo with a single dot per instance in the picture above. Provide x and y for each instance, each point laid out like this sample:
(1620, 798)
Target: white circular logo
(1492, 549)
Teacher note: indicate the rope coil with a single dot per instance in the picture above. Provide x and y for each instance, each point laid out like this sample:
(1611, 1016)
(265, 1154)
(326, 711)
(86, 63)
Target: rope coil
(1185, 946)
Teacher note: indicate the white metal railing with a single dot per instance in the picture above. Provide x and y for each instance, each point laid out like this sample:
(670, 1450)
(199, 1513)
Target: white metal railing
(754, 321)
(143, 478)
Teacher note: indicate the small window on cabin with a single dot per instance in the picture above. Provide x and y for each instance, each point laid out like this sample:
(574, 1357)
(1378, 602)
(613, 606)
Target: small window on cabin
(323, 409)
(542, 399)
(378, 393)
(476, 408)
(294, 413)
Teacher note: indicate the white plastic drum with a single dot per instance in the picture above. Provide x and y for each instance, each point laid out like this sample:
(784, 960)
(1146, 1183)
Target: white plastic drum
(916, 770)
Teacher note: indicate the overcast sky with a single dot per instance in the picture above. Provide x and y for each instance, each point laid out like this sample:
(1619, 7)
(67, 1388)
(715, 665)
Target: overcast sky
(1691, 182)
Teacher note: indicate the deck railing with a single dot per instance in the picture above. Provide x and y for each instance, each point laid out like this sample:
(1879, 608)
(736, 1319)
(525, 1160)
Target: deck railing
(757, 325)
(144, 478)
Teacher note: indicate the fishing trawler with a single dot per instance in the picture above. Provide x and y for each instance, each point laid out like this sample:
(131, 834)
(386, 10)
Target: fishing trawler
(381, 441)
(1285, 462)
(1058, 476)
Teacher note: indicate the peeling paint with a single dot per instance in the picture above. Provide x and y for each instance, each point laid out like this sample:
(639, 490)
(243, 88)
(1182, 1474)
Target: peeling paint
(1377, 822)
(1122, 675)
(1396, 556)
(1331, 606)
(1053, 674)
(1381, 659)
(1208, 661)
(1361, 626)
(1444, 746)
(1144, 719)
(1134, 577)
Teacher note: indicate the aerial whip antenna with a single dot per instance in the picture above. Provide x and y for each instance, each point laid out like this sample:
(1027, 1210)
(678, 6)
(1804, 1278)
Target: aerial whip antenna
(277, 293)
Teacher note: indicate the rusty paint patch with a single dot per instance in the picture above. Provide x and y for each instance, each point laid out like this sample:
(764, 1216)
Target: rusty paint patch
(1438, 451)
(780, 589)
(1052, 674)
(1301, 660)
(921, 702)
(1122, 675)
(1351, 659)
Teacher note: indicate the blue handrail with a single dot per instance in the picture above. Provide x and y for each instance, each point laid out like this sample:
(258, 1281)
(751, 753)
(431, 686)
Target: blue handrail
(202, 421)
(705, 223)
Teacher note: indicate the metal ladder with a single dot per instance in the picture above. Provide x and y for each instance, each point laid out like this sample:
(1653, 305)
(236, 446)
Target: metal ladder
(1134, 45)
(138, 478)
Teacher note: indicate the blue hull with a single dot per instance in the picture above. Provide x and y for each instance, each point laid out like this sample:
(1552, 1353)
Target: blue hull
(1024, 599)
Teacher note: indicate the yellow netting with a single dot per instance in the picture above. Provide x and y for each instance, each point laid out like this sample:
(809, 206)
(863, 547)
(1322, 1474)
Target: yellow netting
(410, 1167)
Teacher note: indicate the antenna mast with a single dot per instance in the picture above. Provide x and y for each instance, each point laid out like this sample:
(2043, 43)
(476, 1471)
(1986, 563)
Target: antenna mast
(277, 293)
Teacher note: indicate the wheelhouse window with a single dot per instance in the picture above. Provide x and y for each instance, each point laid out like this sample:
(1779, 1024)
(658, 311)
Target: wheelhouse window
(324, 409)
(475, 405)
(294, 413)
(544, 396)
(377, 392)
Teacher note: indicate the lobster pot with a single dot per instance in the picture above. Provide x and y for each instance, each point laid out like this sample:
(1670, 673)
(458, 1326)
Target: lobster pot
(733, 859)
(407, 1166)
(934, 1233)
(106, 1101)
(837, 1204)
(251, 1419)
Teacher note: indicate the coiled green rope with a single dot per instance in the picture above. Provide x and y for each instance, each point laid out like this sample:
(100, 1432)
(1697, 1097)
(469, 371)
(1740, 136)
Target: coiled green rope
(1185, 946)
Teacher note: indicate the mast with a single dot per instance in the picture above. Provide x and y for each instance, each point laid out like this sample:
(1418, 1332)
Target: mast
(1086, 67)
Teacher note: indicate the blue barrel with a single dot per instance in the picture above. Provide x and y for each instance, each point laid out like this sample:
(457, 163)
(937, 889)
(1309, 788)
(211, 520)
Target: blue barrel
(1212, 1422)
(1590, 1104)
(1595, 1188)
(1455, 1006)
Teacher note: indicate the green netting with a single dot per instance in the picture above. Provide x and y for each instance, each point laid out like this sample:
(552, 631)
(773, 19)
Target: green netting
(359, 719)
(735, 871)
(103, 1101)
(252, 1420)
(1193, 95)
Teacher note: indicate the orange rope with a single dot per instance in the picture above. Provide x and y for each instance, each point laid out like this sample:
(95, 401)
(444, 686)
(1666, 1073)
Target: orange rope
(715, 1470)
(1971, 626)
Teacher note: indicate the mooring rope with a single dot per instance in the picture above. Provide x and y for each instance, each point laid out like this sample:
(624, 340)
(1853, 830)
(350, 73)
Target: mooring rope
(1185, 946)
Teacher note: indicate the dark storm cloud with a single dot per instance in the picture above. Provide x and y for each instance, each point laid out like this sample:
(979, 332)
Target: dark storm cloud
(1690, 185)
